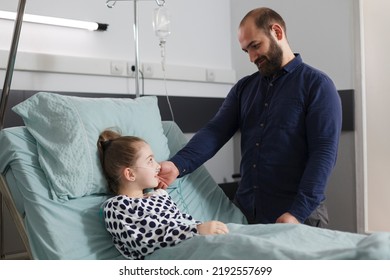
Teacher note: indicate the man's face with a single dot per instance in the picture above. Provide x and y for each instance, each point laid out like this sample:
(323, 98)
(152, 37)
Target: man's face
(262, 48)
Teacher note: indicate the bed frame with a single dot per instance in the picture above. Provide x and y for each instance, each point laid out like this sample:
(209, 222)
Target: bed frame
(9, 203)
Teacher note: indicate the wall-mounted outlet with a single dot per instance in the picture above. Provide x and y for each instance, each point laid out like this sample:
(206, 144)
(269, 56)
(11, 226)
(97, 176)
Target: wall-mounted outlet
(210, 75)
(147, 70)
(117, 67)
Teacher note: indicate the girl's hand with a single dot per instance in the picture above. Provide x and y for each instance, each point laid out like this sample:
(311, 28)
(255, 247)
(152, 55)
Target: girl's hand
(212, 227)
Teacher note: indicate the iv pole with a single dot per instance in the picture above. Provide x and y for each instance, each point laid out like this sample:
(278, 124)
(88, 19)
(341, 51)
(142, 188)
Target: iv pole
(110, 4)
(11, 60)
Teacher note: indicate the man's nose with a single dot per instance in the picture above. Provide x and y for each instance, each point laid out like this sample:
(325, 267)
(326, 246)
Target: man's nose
(252, 56)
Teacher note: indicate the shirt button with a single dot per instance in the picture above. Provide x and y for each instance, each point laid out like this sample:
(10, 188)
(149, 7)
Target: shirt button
(255, 187)
(265, 104)
(262, 124)
(257, 144)
(254, 166)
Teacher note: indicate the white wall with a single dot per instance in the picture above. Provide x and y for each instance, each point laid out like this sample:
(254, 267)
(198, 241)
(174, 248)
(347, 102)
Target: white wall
(193, 43)
(376, 92)
(321, 31)
(196, 43)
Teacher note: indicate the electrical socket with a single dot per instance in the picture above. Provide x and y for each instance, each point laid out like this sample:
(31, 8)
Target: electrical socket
(117, 67)
(147, 70)
(210, 75)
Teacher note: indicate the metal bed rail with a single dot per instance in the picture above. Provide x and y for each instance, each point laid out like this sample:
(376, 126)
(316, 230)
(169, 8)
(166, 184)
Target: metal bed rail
(5, 195)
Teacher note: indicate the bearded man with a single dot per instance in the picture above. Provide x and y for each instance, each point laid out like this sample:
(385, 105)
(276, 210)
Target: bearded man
(289, 117)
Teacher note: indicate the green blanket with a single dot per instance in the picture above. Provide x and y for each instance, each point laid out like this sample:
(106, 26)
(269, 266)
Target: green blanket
(280, 241)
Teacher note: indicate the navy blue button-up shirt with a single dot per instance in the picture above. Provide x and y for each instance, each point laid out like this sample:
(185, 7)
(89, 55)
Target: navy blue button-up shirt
(290, 126)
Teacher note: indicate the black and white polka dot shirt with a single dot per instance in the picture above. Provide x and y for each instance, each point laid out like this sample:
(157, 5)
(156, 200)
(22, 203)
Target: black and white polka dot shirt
(139, 226)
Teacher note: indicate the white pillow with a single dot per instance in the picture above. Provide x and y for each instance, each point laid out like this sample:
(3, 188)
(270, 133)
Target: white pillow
(67, 128)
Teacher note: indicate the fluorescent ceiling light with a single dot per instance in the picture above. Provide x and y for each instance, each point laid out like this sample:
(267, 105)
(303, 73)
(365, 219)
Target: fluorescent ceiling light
(89, 25)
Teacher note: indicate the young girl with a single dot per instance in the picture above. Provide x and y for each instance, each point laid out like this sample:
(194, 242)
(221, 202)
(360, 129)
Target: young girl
(141, 222)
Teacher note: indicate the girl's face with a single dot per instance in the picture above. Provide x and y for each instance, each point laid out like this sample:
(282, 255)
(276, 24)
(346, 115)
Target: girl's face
(146, 168)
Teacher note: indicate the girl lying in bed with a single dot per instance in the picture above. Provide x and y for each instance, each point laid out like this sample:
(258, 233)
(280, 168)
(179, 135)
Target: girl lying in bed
(141, 222)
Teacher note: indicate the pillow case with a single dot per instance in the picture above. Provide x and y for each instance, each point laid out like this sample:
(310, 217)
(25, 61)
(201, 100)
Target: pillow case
(67, 128)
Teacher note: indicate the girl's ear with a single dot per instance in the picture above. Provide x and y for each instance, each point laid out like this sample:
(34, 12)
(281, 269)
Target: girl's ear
(129, 174)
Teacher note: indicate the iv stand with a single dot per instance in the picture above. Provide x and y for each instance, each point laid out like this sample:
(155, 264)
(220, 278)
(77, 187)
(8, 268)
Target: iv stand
(137, 78)
(11, 60)
(110, 4)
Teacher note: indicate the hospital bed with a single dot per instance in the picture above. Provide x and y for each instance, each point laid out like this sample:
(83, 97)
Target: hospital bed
(53, 185)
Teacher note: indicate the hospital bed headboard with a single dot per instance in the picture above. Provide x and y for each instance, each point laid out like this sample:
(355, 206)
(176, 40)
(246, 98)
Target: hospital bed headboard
(186, 108)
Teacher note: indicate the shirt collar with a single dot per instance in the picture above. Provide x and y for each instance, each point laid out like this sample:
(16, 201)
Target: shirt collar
(290, 67)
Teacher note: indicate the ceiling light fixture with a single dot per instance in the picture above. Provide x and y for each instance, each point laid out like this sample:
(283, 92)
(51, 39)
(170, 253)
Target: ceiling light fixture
(89, 25)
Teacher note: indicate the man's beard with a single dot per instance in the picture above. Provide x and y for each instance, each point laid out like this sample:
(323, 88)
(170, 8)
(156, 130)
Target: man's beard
(272, 61)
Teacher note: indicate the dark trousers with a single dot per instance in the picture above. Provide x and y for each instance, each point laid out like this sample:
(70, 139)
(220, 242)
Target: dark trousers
(319, 217)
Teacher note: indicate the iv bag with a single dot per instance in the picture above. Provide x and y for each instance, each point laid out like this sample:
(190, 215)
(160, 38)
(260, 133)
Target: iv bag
(161, 23)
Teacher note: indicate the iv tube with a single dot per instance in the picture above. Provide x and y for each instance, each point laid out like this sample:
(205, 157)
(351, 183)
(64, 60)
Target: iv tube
(161, 25)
